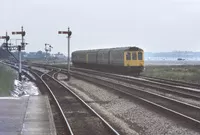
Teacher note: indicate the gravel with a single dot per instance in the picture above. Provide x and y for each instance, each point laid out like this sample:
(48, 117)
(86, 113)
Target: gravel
(40, 69)
(176, 97)
(124, 114)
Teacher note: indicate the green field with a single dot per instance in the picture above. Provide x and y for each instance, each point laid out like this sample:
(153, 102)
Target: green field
(7, 76)
(188, 73)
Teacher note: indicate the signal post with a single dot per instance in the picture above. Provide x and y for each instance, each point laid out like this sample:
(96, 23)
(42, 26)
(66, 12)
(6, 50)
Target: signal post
(20, 48)
(6, 45)
(47, 49)
(7, 38)
(69, 34)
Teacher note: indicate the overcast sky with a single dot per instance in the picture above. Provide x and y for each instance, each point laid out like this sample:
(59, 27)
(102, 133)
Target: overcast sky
(154, 25)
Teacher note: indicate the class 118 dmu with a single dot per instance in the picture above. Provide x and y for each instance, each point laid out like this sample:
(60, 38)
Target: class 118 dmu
(121, 59)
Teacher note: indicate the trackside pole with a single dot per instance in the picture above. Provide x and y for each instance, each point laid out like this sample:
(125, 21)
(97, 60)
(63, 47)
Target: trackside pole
(68, 63)
(7, 38)
(20, 66)
(47, 49)
(68, 51)
(20, 48)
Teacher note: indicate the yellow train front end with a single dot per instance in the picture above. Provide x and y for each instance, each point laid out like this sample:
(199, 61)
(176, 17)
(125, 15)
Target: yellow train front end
(134, 61)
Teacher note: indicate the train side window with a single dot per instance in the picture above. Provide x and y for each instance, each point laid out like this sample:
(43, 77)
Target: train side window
(128, 56)
(140, 56)
(134, 56)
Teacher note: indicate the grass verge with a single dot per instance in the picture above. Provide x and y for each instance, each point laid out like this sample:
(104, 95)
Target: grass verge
(186, 73)
(7, 76)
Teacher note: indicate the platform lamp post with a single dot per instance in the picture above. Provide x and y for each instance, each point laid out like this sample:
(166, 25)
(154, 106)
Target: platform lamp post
(20, 47)
(69, 34)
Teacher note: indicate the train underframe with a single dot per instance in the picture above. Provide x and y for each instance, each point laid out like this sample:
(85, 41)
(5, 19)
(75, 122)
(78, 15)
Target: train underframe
(129, 70)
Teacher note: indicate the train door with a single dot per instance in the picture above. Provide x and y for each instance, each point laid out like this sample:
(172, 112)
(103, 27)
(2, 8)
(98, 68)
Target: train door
(127, 58)
(140, 59)
(134, 58)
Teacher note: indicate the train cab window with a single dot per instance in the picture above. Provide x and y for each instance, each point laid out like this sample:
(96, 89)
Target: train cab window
(128, 56)
(134, 56)
(140, 56)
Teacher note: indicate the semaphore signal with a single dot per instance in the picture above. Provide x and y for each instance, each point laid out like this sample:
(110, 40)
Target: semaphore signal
(23, 33)
(7, 38)
(20, 47)
(69, 33)
(65, 32)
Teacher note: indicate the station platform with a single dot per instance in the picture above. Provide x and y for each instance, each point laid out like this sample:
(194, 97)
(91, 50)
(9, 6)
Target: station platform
(29, 115)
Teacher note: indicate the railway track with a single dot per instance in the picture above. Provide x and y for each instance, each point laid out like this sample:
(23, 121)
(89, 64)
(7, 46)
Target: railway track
(182, 92)
(172, 82)
(59, 120)
(162, 81)
(165, 88)
(79, 117)
(192, 96)
(184, 111)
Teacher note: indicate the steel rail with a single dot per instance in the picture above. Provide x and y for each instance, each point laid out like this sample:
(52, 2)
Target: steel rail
(166, 88)
(83, 102)
(159, 86)
(161, 80)
(63, 115)
(182, 115)
(172, 82)
(154, 99)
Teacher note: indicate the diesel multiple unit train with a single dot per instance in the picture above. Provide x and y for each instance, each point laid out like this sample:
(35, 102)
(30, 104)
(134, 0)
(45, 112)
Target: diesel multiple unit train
(123, 59)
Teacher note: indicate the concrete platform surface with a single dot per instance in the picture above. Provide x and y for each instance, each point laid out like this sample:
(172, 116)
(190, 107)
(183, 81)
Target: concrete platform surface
(30, 115)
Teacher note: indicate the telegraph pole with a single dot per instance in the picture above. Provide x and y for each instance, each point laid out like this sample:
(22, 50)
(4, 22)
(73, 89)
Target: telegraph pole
(20, 48)
(69, 34)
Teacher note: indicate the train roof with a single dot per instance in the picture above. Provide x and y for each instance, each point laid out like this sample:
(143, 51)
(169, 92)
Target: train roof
(134, 48)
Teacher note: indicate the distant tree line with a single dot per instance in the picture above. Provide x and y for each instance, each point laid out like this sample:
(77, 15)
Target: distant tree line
(30, 55)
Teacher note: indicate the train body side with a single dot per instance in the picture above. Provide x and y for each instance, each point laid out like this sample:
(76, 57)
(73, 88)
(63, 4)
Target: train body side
(125, 59)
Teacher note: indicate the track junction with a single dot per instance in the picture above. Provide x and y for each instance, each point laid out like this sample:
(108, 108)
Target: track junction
(177, 100)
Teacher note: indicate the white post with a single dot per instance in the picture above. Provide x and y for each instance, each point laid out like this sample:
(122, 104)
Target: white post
(20, 66)
(20, 59)
(68, 51)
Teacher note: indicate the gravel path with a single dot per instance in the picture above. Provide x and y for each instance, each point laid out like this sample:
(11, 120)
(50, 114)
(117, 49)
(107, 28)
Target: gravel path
(124, 113)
